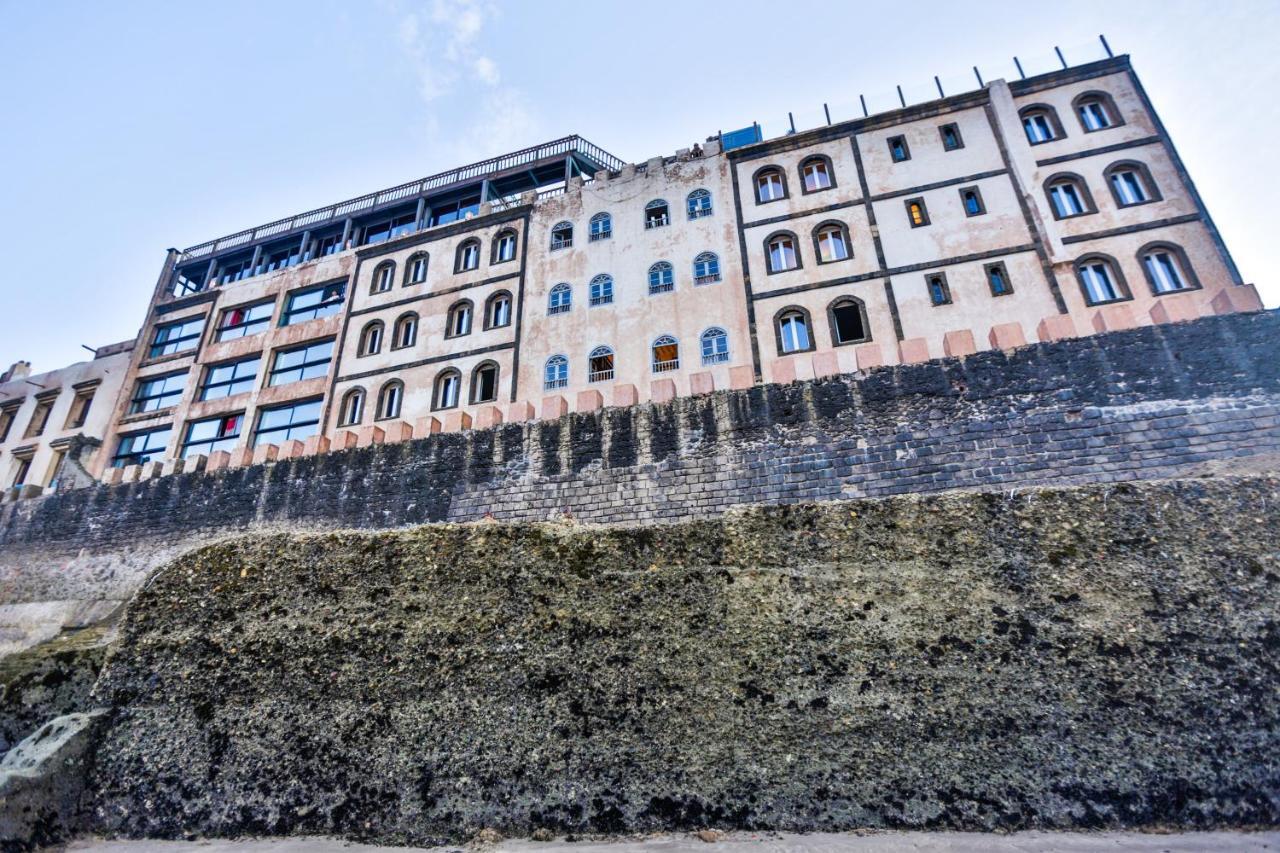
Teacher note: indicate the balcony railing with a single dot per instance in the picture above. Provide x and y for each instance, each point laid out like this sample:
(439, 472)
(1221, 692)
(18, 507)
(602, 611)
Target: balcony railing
(664, 287)
(600, 235)
(712, 278)
(715, 357)
(552, 384)
(666, 366)
(604, 374)
(657, 221)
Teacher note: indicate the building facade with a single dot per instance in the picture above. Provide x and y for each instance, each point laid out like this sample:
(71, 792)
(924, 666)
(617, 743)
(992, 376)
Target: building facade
(561, 279)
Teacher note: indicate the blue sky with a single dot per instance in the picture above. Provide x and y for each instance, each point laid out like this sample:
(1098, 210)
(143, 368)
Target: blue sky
(131, 127)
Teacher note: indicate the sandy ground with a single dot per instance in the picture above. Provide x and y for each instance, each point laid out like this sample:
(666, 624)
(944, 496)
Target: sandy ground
(880, 842)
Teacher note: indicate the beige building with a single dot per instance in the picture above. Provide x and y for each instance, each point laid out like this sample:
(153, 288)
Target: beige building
(559, 278)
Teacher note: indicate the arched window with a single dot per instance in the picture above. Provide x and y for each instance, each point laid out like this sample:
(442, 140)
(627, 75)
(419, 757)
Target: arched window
(459, 319)
(1101, 280)
(706, 268)
(389, 400)
(816, 174)
(468, 255)
(1068, 196)
(780, 249)
(556, 373)
(383, 277)
(560, 299)
(601, 290)
(1040, 122)
(1167, 268)
(656, 214)
(601, 227)
(445, 393)
(1096, 111)
(405, 332)
(504, 247)
(662, 278)
(415, 269)
(770, 184)
(484, 382)
(715, 346)
(600, 365)
(562, 235)
(371, 338)
(791, 325)
(848, 318)
(698, 204)
(497, 310)
(1131, 183)
(352, 411)
(831, 242)
(666, 354)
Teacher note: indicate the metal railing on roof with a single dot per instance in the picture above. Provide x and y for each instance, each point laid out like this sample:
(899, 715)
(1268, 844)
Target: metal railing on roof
(563, 146)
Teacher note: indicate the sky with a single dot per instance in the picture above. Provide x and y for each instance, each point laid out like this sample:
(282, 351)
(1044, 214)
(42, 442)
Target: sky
(130, 127)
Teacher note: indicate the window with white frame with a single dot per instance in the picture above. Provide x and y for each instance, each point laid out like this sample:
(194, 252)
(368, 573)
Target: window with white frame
(600, 365)
(793, 332)
(561, 235)
(656, 214)
(769, 185)
(504, 247)
(447, 387)
(1068, 197)
(484, 383)
(468, 255)
(666, 354)
(1100, 281)
(290, 422)
(371, 339)
(498, 311)
(406, 331)
(1129, 184)
(816, 173)
(781, 250)
(352, 411)
(1040, 124)
(416, 270)
(383, 277)
(459, 322)
(1164, 268)
(833, 245)
(389, 400)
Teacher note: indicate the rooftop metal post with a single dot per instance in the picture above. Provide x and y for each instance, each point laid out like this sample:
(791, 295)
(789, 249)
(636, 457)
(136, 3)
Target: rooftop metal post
(1021, 73)
(791, 119)
(863, 99)
(978, 74)
(938, 83)
(1105, 46)
(1061, 58)
(827, 112)
(901, 99)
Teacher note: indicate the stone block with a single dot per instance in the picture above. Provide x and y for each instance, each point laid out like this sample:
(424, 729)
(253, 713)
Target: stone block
(111, 476)
(913, 351)
(1236, 298)
(397, 431)
(625, 394)
(958, 343)
(172, 466)
(457, 421)
(741, 377)
(1174, 309)
(194, 464)
(367, 436)
(344, 439)
(588, 401)
(315, 444)
(292, 449)
(520, 412)
(1112, 318)
(826, 364)
(662, 390)
(868, 356)
(31, 490)
(264, 453)
(240, 457)
(782, 370)
(702, 383)
(554, 408)
(218, 460)
(131, 473)
(1059, 327)
(151, 470)
(424, 427)
(1006, 336)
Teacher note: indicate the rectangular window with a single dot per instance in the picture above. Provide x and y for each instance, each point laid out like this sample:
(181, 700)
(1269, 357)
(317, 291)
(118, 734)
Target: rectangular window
(206, 436)
(388, 229)
(285, 423)
(7, 414)
(54, 464)
(79, 409)
(234, 377)
(951, 139)
(158, 392)
(174, 337)
(998, 279)
(140, 447)
(939, 293)
(917, 214)
(39, 418)
(21, 469)
(971, 198)
(304, 362)
(898, 149)
(245, 320)
(313, 303)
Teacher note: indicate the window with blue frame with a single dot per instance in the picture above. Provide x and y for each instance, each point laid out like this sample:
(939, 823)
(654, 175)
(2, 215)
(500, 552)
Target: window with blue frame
(556, 373)
(560, 300)
(601, 290)
(288, 422)
(706, 268)
(715, 346)
(601, 227)
(141, 447)
(699, 204)
(662, 278)
(158, 392)
(212, 434)
(245, 320)
(223, 380)
(174, 337)
(313, 303)
(305, 362)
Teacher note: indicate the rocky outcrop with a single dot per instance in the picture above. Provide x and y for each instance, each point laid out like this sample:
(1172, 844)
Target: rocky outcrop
(47, 681)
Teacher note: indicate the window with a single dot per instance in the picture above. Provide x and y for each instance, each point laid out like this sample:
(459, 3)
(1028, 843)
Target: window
(998, 279)
(706, 268)
(304, 362)
(504, 247)
(389, 228)
(7, 414)
(601, 290)
(1040, 123)
(1131, 184)
(1096, 111)
(79, 412)
(815, 174)
(468, 255)
(832, 242)
(770, 185)
(497, 310)
(174, 337)
(601, 227)
(917, 214)
(223, 380)
(389, 400)
(140, 447)
(459, 320)
(288, 422)
(415, 270)
(448, 382)
(158, 392)
(898, 150)
(848, 318)
(352, 411)
(484, 382)
(600, 365)
(405, 333)
(1068, 196)
(662, 278)
(792, 327)
(555, 374)
(698, 204)
(383, 277)
(313, 303)
(666, 354)
(656, 214)
(951, 139)
(939, 292)
(560, 300)
(562, 236)
(329, 244)
(235, 269)
(39, 417)
(715, 346)
(211, 434)
(244, 320)
(1100, 280)
(1167, 268)
(781, 252)
(21, 469)
(370, 339)
(971, 198)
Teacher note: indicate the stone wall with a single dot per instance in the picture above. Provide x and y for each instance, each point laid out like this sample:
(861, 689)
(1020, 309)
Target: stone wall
(1149, 402)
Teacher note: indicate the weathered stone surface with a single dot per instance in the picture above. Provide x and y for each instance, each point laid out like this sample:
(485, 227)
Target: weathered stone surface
(47, 681)
(1099, 656)
(42, 783)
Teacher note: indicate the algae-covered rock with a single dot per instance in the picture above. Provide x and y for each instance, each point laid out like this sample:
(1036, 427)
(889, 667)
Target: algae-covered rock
(47, 681)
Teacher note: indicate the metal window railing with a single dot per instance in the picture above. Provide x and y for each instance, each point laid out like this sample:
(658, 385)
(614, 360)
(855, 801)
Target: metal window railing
(666, 366)
(715, 357)
(699, 212)
(657, 221)
(662, 287)
(552, 384)
(709, 278)
(601, 235)
(602, 299)
(602, 375)
(561, 243)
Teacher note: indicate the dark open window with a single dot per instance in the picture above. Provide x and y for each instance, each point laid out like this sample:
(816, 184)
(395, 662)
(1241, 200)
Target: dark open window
(848, 318)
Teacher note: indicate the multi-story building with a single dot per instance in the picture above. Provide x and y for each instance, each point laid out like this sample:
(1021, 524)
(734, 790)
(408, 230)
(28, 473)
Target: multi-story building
(559, 278)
